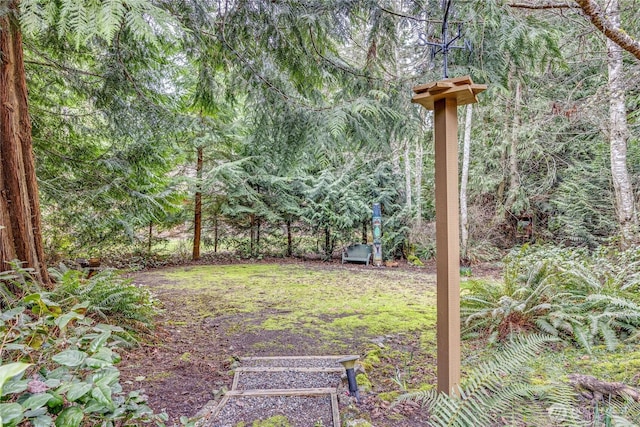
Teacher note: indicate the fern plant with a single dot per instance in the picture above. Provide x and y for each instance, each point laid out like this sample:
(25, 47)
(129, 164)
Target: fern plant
(561, 292)
(110, 297)
(624, 412)
(498, 392)
(500, 309)
(15, 283)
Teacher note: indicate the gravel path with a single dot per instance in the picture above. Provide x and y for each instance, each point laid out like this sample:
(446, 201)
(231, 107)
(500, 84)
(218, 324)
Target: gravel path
(300, 411)
(262, 376)
(287, 380)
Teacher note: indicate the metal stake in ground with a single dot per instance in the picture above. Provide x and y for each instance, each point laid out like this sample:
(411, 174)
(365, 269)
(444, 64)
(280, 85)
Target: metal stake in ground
(349, 364)
(444, 97)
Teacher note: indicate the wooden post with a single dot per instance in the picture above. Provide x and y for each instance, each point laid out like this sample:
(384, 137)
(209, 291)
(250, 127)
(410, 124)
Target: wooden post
(444, 97)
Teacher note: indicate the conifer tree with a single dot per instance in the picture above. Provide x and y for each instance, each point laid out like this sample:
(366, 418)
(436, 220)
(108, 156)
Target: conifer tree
(20, 221)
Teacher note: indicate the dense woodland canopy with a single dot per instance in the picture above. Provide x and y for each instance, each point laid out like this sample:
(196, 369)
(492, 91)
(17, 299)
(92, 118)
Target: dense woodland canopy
(267, 125)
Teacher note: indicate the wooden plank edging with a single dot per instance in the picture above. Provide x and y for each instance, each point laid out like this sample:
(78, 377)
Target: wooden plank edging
(285, 369)
(335, 413)
(297, 357)
(236, 378)
(281, 392)
(301, 392)
(219, 407)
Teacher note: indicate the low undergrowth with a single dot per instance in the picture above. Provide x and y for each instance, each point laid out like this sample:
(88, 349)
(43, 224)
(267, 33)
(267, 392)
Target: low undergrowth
(109, 296)
(59, 357)
(500, 391)
(392, 315)
(587, 299)
(387, 316)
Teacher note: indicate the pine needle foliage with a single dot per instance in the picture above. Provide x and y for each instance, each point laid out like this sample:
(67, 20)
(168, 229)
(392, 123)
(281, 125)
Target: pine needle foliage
(104, 131)
(498, 391)
(583, 202)
(86, 19)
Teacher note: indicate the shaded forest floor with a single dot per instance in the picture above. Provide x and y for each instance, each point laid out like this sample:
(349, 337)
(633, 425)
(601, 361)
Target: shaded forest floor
(214, 313)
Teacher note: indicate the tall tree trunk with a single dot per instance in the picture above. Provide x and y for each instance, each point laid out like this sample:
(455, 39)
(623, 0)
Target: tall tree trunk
(258, 222)
(215, 234)
(395, 161)
(289, 239)
(327, 243)
(464, 218)
(252, 233)
(407, 174)
(418, 182)
(618, 135)
(197, 221)
(150, 242)
(514, 173)
(364, 232)
(20, 223)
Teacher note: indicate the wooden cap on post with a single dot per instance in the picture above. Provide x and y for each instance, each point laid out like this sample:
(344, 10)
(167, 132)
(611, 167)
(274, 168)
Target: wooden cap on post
(461, 88)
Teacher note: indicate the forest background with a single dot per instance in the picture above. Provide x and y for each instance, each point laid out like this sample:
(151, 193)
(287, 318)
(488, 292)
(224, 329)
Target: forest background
(268, 127)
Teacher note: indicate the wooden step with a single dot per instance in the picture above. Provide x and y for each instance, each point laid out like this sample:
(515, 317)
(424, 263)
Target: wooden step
(293, 361)
(278, 385)
(236, 406)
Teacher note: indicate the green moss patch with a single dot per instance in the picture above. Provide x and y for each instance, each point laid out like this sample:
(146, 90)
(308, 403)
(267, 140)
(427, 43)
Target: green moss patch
(620, 366)
(276, 421)
(328, 303)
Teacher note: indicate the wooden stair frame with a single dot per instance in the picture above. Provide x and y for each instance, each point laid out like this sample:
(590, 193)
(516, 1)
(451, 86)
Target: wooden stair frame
(313, 392)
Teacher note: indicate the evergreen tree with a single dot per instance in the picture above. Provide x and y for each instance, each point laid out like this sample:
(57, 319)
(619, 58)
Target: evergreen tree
(21, 235)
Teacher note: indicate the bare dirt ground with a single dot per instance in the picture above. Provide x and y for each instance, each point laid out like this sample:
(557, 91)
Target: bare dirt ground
(186, 364)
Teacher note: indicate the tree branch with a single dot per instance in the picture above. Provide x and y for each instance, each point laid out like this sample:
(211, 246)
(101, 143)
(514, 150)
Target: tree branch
(544, 5)
(402, 15)
(594, 385)
(615, 34)
(256, 73)
(334, 63)
(54, 64)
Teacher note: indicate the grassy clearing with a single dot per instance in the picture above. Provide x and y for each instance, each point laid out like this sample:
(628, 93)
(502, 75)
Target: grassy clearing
(331, 303)
(386, 315)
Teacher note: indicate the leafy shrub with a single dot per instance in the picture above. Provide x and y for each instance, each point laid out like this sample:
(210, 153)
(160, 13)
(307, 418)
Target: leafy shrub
(72, 377)
(395, 233)
(569, 293)
(425, 251)
(57, 364)
(109, 296)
